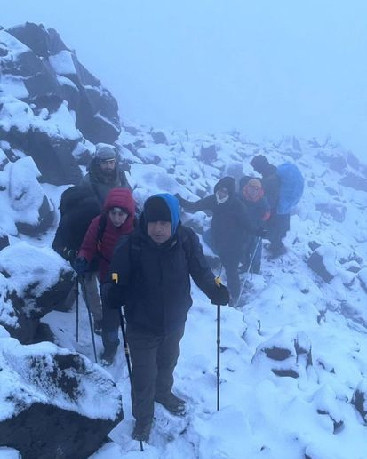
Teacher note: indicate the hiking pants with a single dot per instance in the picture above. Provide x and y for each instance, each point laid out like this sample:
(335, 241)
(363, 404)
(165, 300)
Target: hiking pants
(278, 227)
(230, 262)
(92, 293)
(153, 357)
(110, 324)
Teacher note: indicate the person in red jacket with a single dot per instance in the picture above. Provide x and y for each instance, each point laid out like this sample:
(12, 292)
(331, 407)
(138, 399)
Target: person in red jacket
(116, 220)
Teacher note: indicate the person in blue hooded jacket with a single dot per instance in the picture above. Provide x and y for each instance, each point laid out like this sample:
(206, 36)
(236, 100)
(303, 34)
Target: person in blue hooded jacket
(283, 187)
(150, 276)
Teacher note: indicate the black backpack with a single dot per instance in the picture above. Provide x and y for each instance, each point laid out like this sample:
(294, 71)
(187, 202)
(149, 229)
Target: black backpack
(78, 207)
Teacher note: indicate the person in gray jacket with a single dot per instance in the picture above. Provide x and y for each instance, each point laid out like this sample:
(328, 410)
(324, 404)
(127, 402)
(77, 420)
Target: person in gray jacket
(105, 172)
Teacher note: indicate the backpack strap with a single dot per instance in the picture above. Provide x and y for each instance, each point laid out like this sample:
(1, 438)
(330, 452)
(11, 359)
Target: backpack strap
(101, 229)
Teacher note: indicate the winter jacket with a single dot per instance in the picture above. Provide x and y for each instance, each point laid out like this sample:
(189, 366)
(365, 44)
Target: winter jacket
(230, 220)
(91, 247)
(99, 184)
(153, 281)
(271, 184)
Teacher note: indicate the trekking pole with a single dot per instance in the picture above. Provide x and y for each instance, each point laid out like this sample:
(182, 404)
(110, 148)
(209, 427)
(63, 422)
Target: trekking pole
(90, 317)
(126, 348)
(127, 357)
(248, 269)
(76, 309)
(217, 281)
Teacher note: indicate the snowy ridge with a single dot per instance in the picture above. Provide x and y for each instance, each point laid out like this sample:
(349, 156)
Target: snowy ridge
(294, 356)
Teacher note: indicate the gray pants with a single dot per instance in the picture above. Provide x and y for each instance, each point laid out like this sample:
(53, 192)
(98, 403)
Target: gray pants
(92, 294)
(153, 360)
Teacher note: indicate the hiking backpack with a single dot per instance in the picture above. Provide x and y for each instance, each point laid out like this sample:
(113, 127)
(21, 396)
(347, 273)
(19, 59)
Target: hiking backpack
(78, 207)
(291, 187)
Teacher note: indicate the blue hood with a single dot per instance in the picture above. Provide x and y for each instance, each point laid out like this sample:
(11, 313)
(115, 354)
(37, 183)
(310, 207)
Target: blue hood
(173, 206)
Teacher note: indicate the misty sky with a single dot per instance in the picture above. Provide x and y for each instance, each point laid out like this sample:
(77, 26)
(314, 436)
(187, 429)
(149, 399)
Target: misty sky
(267, 68)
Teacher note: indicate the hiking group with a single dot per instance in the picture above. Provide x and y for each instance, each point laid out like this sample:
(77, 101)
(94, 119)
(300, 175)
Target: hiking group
(144, 260)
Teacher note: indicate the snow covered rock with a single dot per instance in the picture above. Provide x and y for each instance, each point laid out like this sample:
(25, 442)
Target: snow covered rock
(33, 282)
(286, 354)
(50, 104)
(359, 400)
(316, 263)
(54, 403)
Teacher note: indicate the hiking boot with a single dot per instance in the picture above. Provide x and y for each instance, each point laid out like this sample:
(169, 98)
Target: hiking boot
(97, 327)
(108, 355)
(173, 404)
(141, 430)
(276, 251)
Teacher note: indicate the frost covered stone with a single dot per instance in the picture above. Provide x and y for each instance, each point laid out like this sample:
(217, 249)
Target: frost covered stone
(54, 403)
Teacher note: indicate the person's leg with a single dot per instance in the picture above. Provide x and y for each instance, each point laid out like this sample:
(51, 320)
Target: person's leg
(230, 264)
(92, 294)
(167, 356)
(110, 327)
(143, 351)
(256, 251)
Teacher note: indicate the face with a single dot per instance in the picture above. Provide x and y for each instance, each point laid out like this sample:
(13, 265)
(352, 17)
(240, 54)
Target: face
(159, 231)
(117, 216)
(107, 167)
(252, 190)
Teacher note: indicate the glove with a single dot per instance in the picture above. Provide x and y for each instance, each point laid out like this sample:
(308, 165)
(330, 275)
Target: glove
(80, 266)
(220, 295)
(68, 254)
(261, 232)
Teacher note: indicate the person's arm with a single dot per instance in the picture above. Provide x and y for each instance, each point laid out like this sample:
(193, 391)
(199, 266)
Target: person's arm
(201, 273)
(89, 248)
(119, 276)
(203, 204)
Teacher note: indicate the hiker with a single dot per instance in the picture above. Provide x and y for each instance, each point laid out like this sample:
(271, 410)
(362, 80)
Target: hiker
(229, 225)
(77, 209)
(151, 270)
(252, 195)
(116, 220)
(104, 172)
(283, 187)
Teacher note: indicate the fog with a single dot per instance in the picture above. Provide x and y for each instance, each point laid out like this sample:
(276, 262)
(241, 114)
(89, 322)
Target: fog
(266, 68)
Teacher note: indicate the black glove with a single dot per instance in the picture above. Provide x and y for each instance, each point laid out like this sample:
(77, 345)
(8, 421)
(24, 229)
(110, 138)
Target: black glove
(68, 254)
(261, 232)
(220, 295)
(80, 265)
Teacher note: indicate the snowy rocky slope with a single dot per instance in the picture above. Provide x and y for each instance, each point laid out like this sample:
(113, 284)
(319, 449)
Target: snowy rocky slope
(293, 360)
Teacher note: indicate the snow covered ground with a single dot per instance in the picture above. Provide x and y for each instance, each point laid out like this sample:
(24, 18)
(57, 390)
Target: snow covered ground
(291, 358)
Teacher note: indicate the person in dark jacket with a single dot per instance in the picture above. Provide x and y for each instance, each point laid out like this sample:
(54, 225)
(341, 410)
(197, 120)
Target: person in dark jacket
(252, 195)
(116, 220)
(104, 172)
(229, 225)
(150, 275)
(283, 187)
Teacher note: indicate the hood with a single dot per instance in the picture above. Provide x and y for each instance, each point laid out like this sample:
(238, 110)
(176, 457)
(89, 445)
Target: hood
(172, 205)
(226, 182)
(120, 197)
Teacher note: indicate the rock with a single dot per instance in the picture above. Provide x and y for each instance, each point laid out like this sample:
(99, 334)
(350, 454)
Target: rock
(55, 403)
(359, 400)
(354, 181)
(208, 154)
(335, 210)
(316, 263)
(31, 289)
(159, 137)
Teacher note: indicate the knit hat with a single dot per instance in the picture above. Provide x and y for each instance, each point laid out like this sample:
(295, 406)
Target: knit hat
(259, 162)
(105, 152)
(156, 209)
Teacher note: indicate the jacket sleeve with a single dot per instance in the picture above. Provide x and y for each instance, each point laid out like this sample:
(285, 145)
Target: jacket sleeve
(119, 275)
(202, 204)
(198, 266)
(89, 248)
